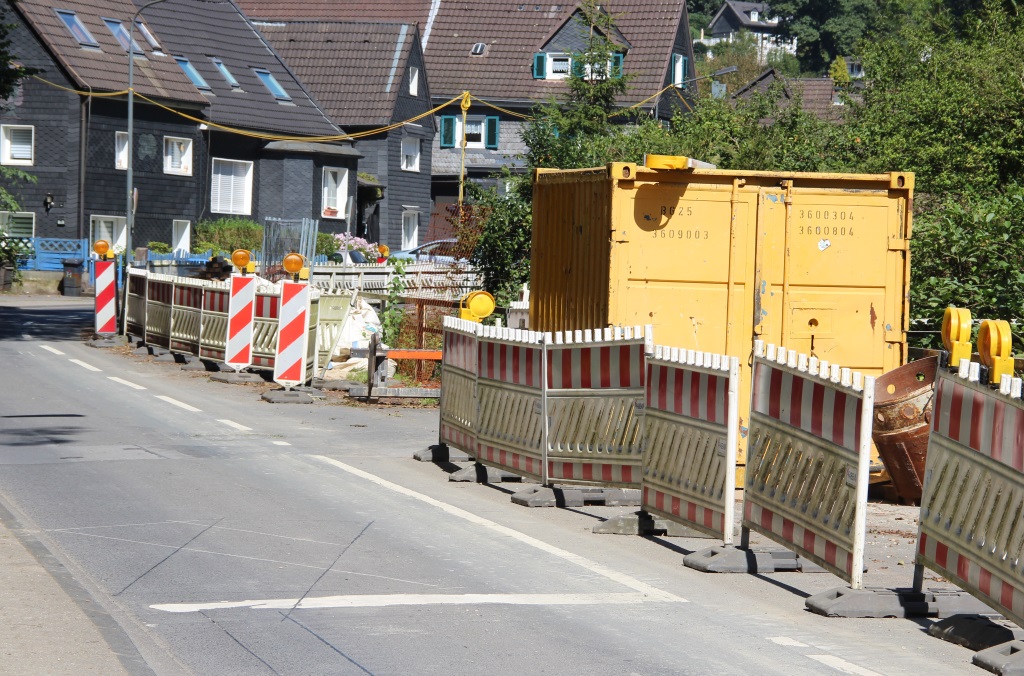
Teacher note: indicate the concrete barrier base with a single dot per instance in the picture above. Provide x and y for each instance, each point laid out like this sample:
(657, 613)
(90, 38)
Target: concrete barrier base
(286, 397)
(1006, 659)
(243, 378)
(440, 453)
(173, 358)
(644, 523)
(873, 602)
(976, 632)
(738, 560)
(483, 474)
(576, 496)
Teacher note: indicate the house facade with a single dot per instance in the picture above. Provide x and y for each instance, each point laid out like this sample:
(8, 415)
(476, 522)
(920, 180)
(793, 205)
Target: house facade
(383, 83)
(755, 18)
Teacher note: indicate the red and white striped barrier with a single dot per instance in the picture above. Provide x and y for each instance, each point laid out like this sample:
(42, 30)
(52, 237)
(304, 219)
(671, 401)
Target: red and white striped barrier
(808, 458)
(241, 318)
(159, 304)
(691, 428)
(292, 335)
(135, 302)
(458, 384)
(186, 316)
(971, 530)
(106, 297)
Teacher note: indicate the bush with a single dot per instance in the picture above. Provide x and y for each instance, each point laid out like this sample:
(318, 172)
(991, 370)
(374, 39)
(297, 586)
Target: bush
(326, 244)
(228, 234)
(159, 248)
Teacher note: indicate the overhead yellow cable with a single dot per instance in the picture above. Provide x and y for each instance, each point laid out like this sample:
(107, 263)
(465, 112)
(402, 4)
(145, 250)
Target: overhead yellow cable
(681, 98)
(68, 89)
(640, 103)
(502, 110)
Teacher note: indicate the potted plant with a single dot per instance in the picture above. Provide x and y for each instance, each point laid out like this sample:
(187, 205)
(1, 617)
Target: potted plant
(330, 212)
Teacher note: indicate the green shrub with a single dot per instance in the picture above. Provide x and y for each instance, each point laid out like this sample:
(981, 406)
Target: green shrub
(228, 234)
(159, 247)
(325, 244)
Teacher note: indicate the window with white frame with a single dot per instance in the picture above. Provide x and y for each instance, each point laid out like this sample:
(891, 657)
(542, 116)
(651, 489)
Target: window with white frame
(17, 145)
(18, 223)
(110, 228)
(559, 66)
(679, 70)
(231, 187)
(474, 131)
(410, 154)
(335, 192)
(177, 155)
(414, 81)
(120, 150)
(181, 236)
(410, 229)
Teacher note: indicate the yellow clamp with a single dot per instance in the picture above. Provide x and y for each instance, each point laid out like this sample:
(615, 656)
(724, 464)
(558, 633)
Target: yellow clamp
(995, 348)
(956, 335)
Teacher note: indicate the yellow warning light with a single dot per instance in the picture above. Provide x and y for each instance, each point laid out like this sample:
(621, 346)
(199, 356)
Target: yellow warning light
(956, 334)
(384, 250)
(995, 348)
(476, 305)
(293, 263)
(101, 247)
(240, 258)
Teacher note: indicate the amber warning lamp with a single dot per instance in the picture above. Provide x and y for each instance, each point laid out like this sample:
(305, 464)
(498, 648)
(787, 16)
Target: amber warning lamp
(242, 259)
(294, 264)
(102, 249)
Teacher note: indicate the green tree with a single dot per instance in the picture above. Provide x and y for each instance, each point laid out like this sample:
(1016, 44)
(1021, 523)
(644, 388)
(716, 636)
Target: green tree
(824, 30)
(11, 75)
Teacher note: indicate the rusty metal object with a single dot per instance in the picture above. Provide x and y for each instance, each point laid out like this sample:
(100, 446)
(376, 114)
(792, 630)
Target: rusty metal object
(903, 411)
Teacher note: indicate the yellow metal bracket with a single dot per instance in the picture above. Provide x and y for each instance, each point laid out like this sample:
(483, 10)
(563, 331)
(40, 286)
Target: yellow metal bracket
(956, 334)
(995, 348)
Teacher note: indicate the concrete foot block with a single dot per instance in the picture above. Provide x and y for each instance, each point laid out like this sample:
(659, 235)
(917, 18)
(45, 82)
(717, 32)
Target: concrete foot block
(172, 358)
(482, 474)
(242, 378)
(311, 391)
(545, 496)
(727, 559)
(200, 365)
(286, 397)
(644, 523)
(441, 453)
(847, 602)
(105, 342)
(1006, 659)
(976, 632)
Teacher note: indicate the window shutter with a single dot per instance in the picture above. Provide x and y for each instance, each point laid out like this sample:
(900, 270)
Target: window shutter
(491, 133)
(682, 71)
(21, 225)
(540, 63)
(21, 144)
(617, 65)
(447, 131)
(577, 68)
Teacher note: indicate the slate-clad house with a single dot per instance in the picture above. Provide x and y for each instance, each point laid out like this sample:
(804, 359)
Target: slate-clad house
(516, 55)
(277, 168)
(368, 76)
(756, 18)
(77, 148)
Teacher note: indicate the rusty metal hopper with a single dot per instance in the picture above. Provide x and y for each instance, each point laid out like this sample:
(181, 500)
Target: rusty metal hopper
(903, 411)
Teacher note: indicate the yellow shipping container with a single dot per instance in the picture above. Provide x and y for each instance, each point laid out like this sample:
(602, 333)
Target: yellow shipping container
(714, 259)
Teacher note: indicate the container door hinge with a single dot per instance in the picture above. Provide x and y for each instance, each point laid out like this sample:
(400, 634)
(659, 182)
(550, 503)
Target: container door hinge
(899, 244)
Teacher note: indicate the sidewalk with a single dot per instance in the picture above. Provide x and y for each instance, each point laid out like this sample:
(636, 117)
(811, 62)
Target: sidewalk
(42, 629)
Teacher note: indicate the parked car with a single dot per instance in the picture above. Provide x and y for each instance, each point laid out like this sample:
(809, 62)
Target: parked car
(349, 257)
(439, 251)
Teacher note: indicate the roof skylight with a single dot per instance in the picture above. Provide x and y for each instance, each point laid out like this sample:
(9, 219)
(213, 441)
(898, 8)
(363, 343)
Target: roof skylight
(191, 72)
(150, 38)
(121, 35)
(271, 83)
(478, 49)
(226, 73)
(77, 28)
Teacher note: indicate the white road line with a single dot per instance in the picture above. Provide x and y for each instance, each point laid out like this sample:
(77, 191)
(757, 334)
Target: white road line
(841, 665)
(126, 382)
(382, 600)
(84, 365)
(653, 593)
(787, 641)
(260, 533)
(51, 349)
(179, 404)
(281, 443)
(231, 423)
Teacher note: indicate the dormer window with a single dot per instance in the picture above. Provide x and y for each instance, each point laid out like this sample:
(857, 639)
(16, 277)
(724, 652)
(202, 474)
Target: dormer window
(77, 28)
(753, 15)
(120, 34)
(272, 85)
(558, 66)
(478, 49)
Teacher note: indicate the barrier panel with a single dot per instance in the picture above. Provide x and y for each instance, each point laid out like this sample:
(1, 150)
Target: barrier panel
(691, 427)
(159, 302)
(971, 529)
(808, 458)
(106, 294)
(135, 303)
(595, 405)
(186, 316)
(334, 308)
(458, 384)
(214, 328)
(510, 399)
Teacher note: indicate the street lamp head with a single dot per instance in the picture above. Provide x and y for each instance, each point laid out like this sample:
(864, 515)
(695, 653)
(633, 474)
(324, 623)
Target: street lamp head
(725, 71)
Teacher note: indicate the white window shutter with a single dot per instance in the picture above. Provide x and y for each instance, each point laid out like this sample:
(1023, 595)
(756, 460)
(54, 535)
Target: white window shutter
(21, 144)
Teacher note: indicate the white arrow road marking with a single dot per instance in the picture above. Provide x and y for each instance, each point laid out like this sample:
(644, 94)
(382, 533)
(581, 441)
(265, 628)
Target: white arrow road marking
(179, 404)
(51, 349)
(281, 443)
(652, 593)
(84, 365)
(126, 382)
(382, 600)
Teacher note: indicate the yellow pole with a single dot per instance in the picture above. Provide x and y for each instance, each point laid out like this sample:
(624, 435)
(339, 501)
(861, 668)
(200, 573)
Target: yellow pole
(462, 169)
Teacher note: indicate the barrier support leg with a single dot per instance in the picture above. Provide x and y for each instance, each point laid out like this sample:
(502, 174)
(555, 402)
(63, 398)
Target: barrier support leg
(483, 474)
(743, 559)
(646, 524)
(441, 452)
(847, 602)
(918, 577)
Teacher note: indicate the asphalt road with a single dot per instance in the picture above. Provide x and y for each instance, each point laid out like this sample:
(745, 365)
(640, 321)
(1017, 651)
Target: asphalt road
(218, 534)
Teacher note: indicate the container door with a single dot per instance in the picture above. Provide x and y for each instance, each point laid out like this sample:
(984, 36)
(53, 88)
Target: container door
(769, 267)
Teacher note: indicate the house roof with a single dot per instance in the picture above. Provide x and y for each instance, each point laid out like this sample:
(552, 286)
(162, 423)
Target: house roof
(105, 67)
(816, 94)
(514, 31)
(741, 11)
(202, 31)
(361, 92)
(388, 11)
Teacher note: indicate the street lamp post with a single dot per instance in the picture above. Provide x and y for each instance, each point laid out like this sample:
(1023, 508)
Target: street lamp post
(130, 201)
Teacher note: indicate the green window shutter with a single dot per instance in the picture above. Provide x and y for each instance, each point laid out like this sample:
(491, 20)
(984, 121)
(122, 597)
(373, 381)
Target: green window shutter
(447, 131)
(491, 133)
(540, 64)
(617, 64)
(577, 68)
(684, 62)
